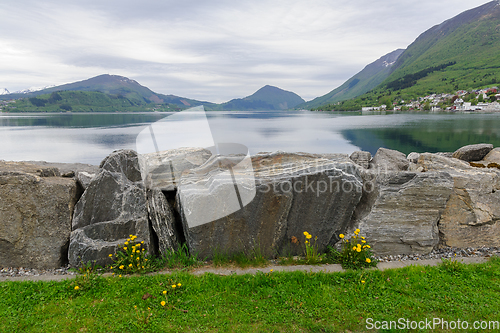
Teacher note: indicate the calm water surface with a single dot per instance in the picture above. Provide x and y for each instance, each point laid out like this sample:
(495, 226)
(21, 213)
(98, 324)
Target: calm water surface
(89, 137)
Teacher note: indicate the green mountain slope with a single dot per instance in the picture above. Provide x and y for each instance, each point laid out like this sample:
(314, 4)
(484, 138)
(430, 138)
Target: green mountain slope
(266, 98)
(462, 53)
(115, 86)
(84, 101)
(370, 77)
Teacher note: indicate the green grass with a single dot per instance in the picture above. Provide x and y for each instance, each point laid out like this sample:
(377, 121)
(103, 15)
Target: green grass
(271, 302)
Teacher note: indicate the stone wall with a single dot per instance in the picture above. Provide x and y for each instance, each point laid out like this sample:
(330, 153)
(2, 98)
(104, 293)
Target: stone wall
(403, 205)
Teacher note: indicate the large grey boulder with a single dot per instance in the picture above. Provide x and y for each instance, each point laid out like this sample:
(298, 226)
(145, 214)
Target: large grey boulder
(361, 158)
(113, 207)
(36, 206)
(293, 193)
(389, 160)
(472, 215)
(399, 211)
(163, 221)
(473, 153)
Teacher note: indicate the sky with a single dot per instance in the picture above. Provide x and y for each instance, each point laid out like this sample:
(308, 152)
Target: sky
(208, 50)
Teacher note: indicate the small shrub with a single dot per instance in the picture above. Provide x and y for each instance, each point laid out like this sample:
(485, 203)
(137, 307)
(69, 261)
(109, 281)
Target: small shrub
(88, 277)
(169, 293)
(132, 259)
(332, 255)
(179, 259)
(311, 250)
(355, 252)
(452, 265)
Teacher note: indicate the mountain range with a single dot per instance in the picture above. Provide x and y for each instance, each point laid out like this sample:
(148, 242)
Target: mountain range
(461, 53)
(370, 77)
(117, 93)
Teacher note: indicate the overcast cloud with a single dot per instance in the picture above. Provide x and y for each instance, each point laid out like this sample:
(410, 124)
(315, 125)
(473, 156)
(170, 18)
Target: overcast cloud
(208, 50)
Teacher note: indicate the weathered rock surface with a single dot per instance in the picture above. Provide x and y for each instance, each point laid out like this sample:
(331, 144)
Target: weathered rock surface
(493, 156)
(362, 158)
(163, 170)
(473, 153)
(413, 157)
(84, 178)
(163, 221)
(65, 168)
(472, 215)
(293, 193)
(111, 208)
(36, 206)
(389, 160)
(399, 211)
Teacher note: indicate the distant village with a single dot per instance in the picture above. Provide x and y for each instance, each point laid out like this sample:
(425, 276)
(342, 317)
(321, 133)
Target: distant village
(482, 100)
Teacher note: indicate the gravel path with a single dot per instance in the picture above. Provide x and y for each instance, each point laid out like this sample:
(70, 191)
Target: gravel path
(469, 255)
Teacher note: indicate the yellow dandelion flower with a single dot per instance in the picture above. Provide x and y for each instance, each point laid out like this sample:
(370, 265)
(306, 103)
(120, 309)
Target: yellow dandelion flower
(145, 259)
(173, 286)
(121, 267)
(119, 275)
(354, 248)
(368, 246)
(178, 284)
(308, 236)
(126, 243)
(164, 292)
(307, 242)
(110, 267)
(163, 303)
(306, 233)
(363, 241)
(142, 249)
(110, 255)
(142, 242)
(142, 267)
(125, 248)
(137, 258)
(130, 265)
(362, 237)
(76, 287)
(135, 306)
(138, 245)
(271, 270)
(368, 260)
(357, 231)
(362, 281)
(131, 236)
(138, 251)
(358, 249)
(341, 236)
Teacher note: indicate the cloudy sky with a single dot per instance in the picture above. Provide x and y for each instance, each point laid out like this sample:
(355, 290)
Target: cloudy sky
(208, 50)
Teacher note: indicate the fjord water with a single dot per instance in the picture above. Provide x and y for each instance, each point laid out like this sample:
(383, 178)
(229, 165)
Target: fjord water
(89, 137)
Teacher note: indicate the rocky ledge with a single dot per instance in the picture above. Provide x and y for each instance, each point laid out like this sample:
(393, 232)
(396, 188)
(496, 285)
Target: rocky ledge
(406, 206)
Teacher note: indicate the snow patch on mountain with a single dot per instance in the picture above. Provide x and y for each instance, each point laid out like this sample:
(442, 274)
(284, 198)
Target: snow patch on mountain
(32, 89)
(4, 91)
(388, 64)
